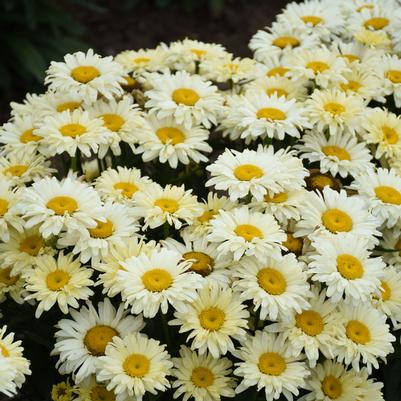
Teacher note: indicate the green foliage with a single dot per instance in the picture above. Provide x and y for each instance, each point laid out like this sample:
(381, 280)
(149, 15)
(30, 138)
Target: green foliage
(34, 32)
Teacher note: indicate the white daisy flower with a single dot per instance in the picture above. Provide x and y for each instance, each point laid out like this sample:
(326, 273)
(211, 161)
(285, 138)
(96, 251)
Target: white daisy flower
(202, 377)
(377, 40)
(52, 103)
(391, 243)
(121, 184)
(7, 374)
(338, 154)
(275, 67)
(28, 106)
(94, 243)
(142, 60)
(59, 205)
(171, 205)
(83, 338)
(71, 131)
(152, 282)
(189, 99)
(346, 267)
(87, 75)
(12, 285)
(203, 256)
(214, 319)
(365, 337)
(89, 390)
(243, 232)
(63, 281)
(335, 111)
(133, 366)
(277, 287)
(382, 190)
(256, 114)
(390, 72)
(264, 364)
(170, 142)
(369, 389)
(330, 213)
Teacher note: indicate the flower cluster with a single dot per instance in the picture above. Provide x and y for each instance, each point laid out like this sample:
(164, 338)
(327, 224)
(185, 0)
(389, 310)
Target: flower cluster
(203, 225)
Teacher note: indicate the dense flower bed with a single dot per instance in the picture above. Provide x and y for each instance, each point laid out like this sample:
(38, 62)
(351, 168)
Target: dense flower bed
(188, 224)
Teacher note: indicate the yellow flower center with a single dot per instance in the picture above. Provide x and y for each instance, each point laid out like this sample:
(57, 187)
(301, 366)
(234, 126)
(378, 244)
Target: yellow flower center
(358, 332)
(293, 244)
(127, 188)
(31, 245)
(206, 216)
(62, 204)
(97, 338)
(310, 322)
(185, 96)
(68, 106)
(385, 291)
(394, 76)
(203, 263)
(199, 52)
(72, 130)
(349, 266)
(319, 181)
(388, 195)
(376, 23)
(277, 198)
(334, 108)
(3, 207)
(351, 85)
(278, 91)
(280, 71)
(312, 19)
(390, 135)
(284, 41)
(351, 57)
(170, 135)
(271, 113)
(335, 220)
(102, 230)
(85, 73)
(212, 319)
(136, 365)
(332, 387)
(157, 280)
(202, 377)
(247, 172)
(29, 136)
(141, 60)
(57, 280)
(100, 393)
(130, 83)
(113, 122)
(272, 281)
(16, 170)
(5, 277)
(167, 205)
(272, 364)
(397, 246)
(340, 153)
(317, 66)
(4, 351)
(248, 232)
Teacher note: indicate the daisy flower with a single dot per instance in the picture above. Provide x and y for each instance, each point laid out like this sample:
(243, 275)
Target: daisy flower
(59, 205)
(392, 241)
(275, 67)
(382, 190)
(121, 184)
(71, 131)
(62, 391)
(7, 374)
(142, 60)
(90, 389)
(330, 213)
(152, 282)
(383, 129)
(364, 338)
(369, 389)
(188, 99)
(335, 111)
(264, 364)
(355, 54)
(167, 141)
(63, 281)
(202, 377)
(346, 267)
(214, 319)
(276, 286)
(338, 154)
(256, 114)
(377, 40)
(83, 338)
(243, 232)
(87, 75)
(171, 205)
(390, 71)
(28, 106)
(203, 256)
(12, 285)
(53, 103)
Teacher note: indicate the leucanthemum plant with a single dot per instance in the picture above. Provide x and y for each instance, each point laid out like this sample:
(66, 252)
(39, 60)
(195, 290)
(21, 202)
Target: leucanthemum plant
(183, 223)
